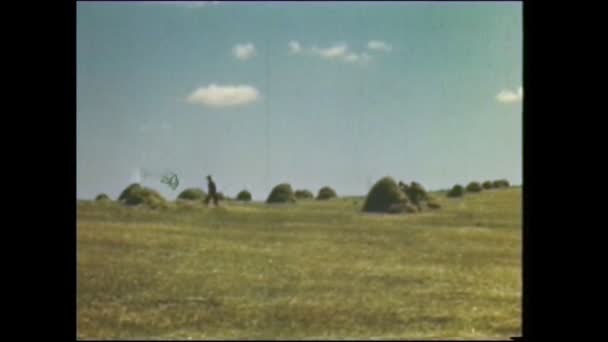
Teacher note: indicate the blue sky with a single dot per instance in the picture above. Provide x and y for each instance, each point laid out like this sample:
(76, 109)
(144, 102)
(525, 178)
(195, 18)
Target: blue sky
(312, 94)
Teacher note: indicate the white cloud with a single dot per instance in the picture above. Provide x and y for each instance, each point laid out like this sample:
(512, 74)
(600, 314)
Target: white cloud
(188, 4)
(379, 45)
(334, 52)
(294, 47)
(510, 96)
(351, 57)
(224, 96)
(243, 51)
(357, 58)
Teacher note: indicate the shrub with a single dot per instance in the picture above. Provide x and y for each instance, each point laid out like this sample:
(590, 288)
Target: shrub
(383, 196)
(303, 194)
(192, 194)
(474, 187)
(456, 191)
(281, 193)
(244, 196)
(136, 194)
(487, 185)
(326, 193)
(102, 197)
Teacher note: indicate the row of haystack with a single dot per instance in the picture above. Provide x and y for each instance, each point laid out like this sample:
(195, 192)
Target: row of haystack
(283, 193)
(473, 187)
(136, 194)
(386, 196)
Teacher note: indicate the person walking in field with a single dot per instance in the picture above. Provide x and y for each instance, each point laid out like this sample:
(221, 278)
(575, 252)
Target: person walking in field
(211, 192)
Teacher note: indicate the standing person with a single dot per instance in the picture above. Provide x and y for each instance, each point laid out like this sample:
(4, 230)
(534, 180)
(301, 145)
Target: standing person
(211, 192)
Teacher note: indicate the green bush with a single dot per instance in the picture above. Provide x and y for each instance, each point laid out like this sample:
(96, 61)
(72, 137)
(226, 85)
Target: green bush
(244, 196)
(303, 194)
(326, 193)
(456, 191)
(282, 193)
(102, 197)
(501, 183)
(487, 185)
(473, 187)
(385, 196)
(136, 194)
(192, 194)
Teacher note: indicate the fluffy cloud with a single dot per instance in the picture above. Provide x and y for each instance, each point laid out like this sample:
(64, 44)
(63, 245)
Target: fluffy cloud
(294, 47)
(509, 96)
(224, 96)
(334, 52)
(243, 51)
(340, 52)
(188, 4)
(379, 45)
(357, 58)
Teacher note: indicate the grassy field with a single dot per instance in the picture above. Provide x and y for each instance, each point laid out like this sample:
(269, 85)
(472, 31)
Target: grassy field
(313, 270)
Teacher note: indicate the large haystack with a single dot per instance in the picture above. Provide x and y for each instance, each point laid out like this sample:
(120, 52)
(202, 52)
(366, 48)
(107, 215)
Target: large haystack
(326, 193)
(244, 195)
(386, 197)
(501, 183)
(136, 194)
(456, 191)
(192, 194)
(474, 187)
(102, 198)
(282, 193)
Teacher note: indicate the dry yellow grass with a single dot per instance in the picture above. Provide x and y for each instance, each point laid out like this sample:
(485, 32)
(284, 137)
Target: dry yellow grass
(313, 270)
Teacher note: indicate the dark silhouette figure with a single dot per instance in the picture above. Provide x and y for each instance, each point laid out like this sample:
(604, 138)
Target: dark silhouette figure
(211, 192)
